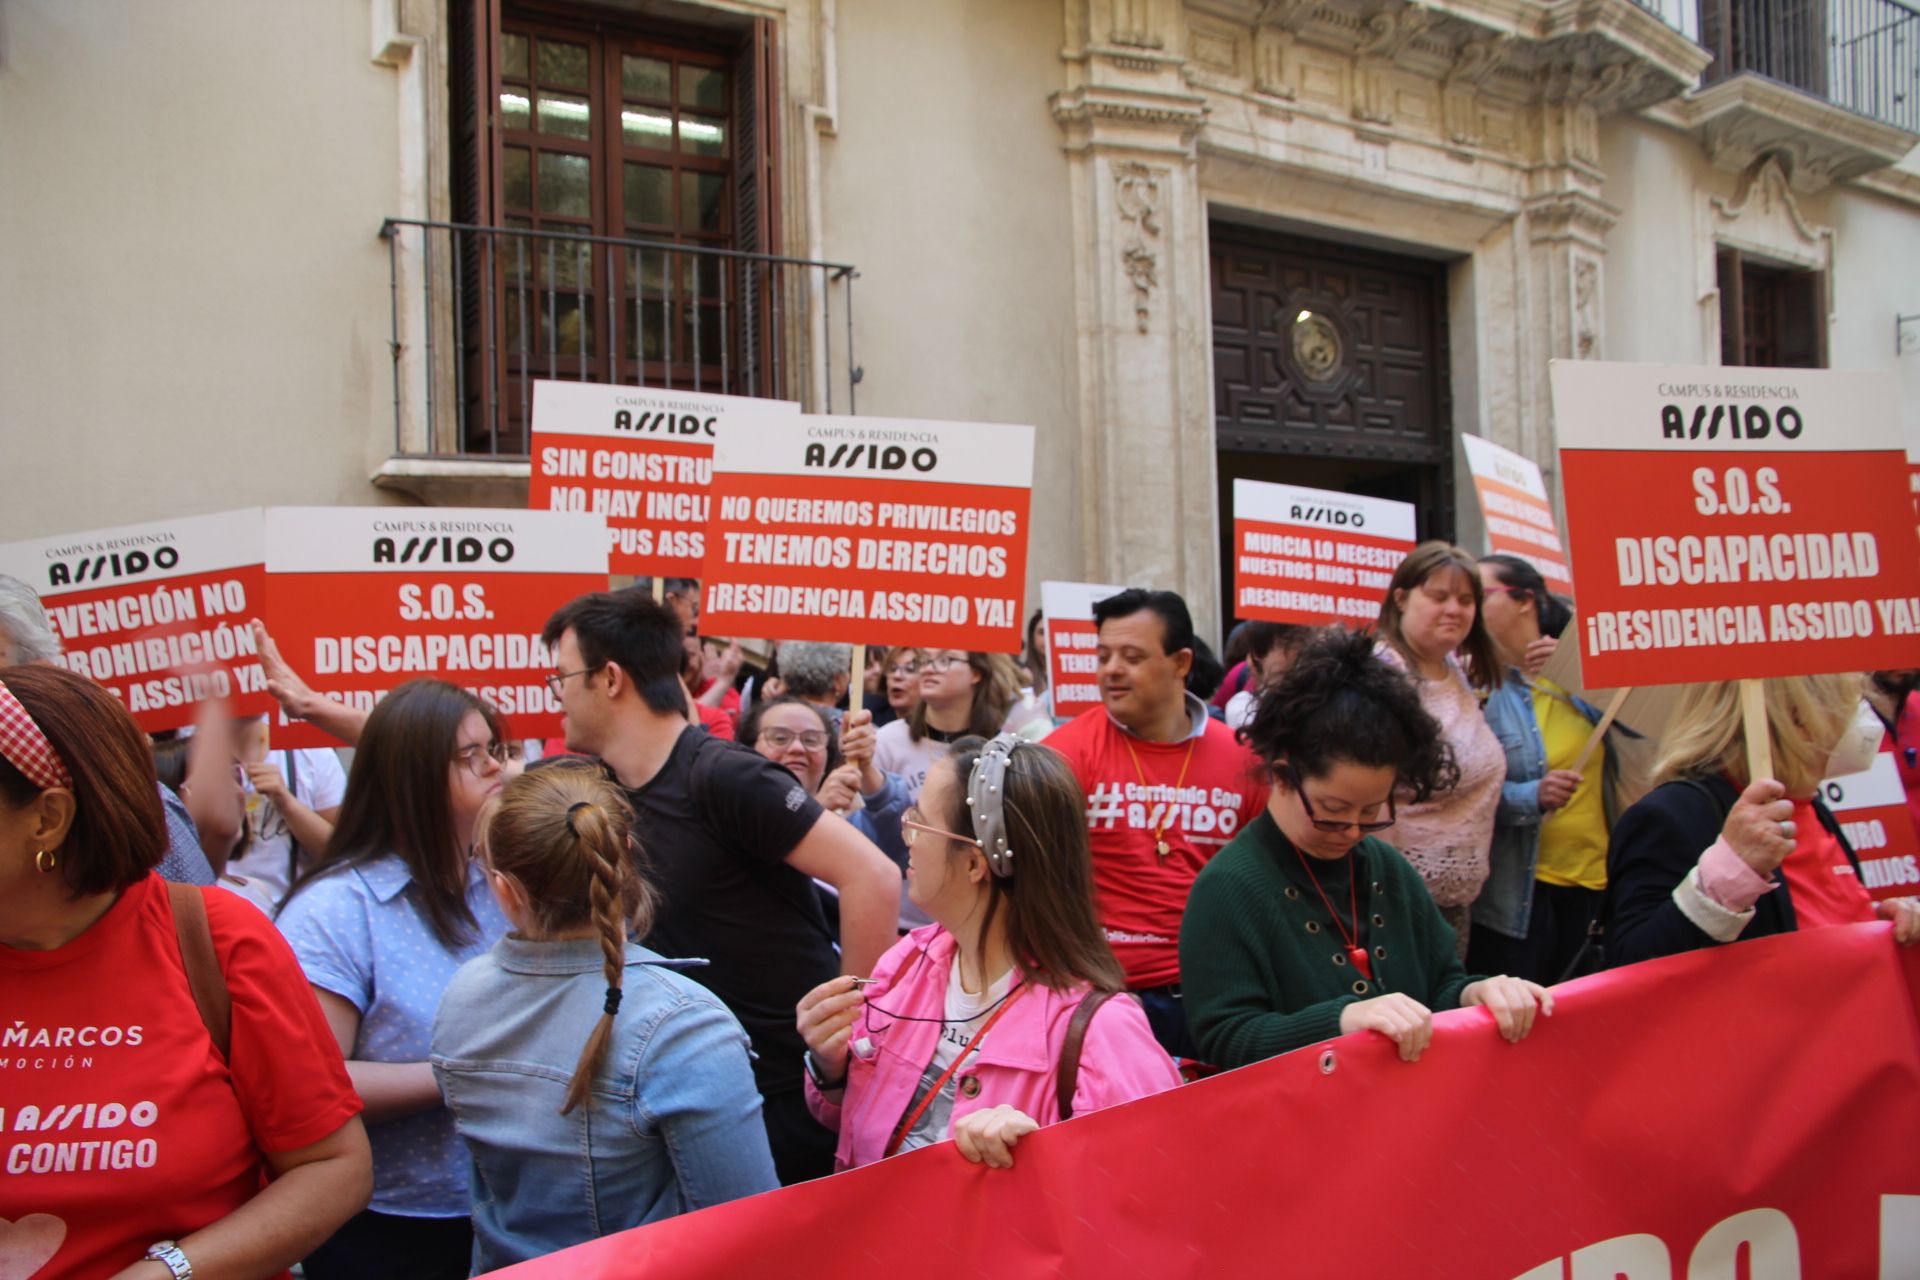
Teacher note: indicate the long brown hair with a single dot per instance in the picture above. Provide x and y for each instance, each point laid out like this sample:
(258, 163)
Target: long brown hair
(118, 832)
(564, 834)
(1484, 668)
(398, 801)
(992, 697)
(1052, 929)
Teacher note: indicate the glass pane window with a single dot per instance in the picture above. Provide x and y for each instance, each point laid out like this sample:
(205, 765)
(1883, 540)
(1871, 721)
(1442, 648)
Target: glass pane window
(513, 56)
(517, 171)
(649, 195)
(567, 117)
(566, 185)
(703, 137)
(515, 110)
(702, 201)
(647, 78)
(646, 127)
(703, 87)
(562, 65)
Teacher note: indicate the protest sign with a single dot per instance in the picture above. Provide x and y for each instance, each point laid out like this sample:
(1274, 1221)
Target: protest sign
(1073, 670)
(362, 599)
(155, 612)
(1597, 1147)
(869, 530)
(1736, 523)
(640, 457)
(1517, 510)
(1313, 556)
(1872, 809)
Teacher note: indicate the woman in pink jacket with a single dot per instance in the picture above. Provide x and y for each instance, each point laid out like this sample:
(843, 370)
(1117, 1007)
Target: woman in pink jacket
(997, 1018)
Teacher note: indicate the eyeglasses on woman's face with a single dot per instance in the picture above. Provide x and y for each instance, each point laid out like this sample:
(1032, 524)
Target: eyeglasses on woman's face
(481, 759)
(907, 667)
(813, 740)
(941, 663)
(911, 828)
(1338, 825)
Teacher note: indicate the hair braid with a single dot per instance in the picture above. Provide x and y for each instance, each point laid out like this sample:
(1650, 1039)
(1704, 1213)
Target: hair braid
(595, 840)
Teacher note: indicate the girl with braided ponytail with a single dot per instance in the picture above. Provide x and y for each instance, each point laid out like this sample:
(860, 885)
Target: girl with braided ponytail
(1308, 926)
(596, 1088)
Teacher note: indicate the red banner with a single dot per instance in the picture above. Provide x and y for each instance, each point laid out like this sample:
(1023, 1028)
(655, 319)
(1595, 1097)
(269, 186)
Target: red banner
(1760, 1099)
(363, 599)
(1073, 666)
(869, 531)
(156, 612)
(1516, 510)
(1736, 523)
(1313, 556)
(640, 457)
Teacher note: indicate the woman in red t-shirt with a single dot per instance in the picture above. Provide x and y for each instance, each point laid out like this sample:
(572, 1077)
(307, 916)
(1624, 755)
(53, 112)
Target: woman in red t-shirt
(130, 1145)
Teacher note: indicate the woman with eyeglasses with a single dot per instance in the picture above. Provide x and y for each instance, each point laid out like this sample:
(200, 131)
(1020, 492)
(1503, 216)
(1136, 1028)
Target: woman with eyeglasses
(1000, 1016)
(396, 906)
(839, 772)
(901, 671)
(1309, 925)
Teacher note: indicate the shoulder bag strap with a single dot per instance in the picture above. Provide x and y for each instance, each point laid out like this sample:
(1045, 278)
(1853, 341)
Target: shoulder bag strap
(208, 984)
(1067, 1079)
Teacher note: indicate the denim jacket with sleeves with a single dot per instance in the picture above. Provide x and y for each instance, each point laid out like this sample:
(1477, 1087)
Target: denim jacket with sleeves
(672, 1123)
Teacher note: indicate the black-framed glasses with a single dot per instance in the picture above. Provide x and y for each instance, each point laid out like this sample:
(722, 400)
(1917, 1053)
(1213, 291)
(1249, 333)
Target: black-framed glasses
(1333, 825)
(781, 739)
(475, 757)
(559, 678)
(940, 663)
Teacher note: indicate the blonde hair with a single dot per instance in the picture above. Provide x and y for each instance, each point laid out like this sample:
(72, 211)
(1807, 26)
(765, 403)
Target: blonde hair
(1805, 717)
(564, 835)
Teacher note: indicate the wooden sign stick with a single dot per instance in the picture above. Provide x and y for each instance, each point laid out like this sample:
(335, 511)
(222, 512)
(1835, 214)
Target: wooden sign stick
(1753, 714)
(1600, 730)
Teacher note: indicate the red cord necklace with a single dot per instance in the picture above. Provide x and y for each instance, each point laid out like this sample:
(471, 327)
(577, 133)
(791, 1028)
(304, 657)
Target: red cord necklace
(1355, 952)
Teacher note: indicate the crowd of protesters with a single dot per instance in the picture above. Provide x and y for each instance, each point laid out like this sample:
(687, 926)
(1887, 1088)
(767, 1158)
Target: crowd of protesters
(471, 999)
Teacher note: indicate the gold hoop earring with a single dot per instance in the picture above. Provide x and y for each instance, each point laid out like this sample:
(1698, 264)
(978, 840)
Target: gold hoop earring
(45, 861)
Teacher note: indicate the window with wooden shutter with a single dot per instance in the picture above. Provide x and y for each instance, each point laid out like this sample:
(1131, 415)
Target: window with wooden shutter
(1771, 316)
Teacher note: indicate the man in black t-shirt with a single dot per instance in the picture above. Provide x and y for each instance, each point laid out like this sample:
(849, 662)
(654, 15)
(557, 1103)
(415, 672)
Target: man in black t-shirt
(731, 841)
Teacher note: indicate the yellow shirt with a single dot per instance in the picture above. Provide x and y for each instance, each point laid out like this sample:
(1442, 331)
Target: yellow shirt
(1573, 840)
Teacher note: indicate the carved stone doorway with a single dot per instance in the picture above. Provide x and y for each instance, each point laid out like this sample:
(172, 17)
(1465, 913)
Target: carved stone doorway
(1330, 370)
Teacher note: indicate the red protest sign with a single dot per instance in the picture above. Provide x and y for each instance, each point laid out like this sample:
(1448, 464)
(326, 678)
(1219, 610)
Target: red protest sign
(1736, 523)
(1872, 809)
(1517, 510)
(1312, 556)
(640, 457)
(362, 599)
(156, 612)
(1603, 1138)
(1073, 669)
(870, 531)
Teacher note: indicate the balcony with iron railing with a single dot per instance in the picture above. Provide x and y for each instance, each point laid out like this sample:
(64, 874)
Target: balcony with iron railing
(481, 313)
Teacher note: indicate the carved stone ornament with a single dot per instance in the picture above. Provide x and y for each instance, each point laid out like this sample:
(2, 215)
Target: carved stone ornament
(1137, 189)
(1316, 346)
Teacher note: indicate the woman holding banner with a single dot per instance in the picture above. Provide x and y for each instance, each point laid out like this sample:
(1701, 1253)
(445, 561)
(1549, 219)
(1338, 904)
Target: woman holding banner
(394, 908)
(1430, 620)
(999, 1017)
(172, 1094)
(1548, 867)
(1712, 855)
(1308, 926)
(596, 1088)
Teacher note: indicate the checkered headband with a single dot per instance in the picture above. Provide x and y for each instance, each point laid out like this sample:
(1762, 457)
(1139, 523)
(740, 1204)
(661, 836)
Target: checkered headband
(26, 748)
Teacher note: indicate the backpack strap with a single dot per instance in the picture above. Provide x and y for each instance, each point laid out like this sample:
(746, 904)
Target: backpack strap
(204, 978)
(1067, 1079)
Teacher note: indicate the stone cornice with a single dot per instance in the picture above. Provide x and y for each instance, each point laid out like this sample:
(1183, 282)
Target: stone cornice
(1088, 105)
(1748, 116)
(1896, 184)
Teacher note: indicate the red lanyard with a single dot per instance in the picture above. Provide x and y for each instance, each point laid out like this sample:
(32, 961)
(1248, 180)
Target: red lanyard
(1355, 952)
(926, 1100)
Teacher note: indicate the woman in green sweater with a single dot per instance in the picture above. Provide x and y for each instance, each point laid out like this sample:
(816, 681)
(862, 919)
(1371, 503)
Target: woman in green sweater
(1307, 926)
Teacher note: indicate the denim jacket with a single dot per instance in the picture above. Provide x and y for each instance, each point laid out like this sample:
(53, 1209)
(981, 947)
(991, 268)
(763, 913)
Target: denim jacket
(1505, 904)
(672, 1125)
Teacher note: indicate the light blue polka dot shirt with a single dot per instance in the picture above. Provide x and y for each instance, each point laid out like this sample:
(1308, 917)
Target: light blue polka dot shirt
(361, 934)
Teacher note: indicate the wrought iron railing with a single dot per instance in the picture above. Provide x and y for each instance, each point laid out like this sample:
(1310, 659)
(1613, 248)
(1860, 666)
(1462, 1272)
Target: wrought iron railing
(1860, 54)
(481, 313)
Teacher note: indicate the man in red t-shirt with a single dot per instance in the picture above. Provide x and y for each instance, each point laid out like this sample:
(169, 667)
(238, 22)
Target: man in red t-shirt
(1166, 786)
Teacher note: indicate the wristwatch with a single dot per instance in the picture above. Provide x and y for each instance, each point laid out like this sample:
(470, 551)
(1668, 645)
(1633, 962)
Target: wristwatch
(168, 1255)
(818, 1077)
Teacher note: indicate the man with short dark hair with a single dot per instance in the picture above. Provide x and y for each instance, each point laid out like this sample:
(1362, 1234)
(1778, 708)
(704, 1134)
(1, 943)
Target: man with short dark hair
(732, 843)
(1167, 787)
